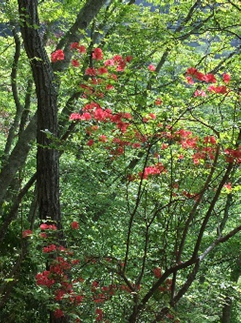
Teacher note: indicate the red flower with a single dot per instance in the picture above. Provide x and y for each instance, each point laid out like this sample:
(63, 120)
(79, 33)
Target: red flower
(43, 279)
(157, 272)
(136, 145)
(109, 87)
(75, 116)
(189, 80)
(85, 116)
(90, 142)
(102, 70)
(45, 226)
(209, 139)
(49, 248)
(117, 58)
(109, 62)
(75, 63)
(158, 101)
(59, 294)
(128, 58)
(191, 71)
(218, 89)
(27, 233)
(121, 66)
(97, 54)
(99, 313)
(82, 49)
(195, 73)
(228, 186)
(199, 93)
(226, 78)
(43, 235)
(58, 313)
(102, 138)
(90, 71)
(151, 68)
(74, 45)
(209, 78)
(58, 55)
(75, 225)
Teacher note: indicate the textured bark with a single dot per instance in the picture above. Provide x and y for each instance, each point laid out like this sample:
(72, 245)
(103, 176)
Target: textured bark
(226, 312)
(47, 158)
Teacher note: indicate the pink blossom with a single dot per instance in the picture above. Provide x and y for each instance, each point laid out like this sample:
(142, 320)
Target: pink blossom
(200, 93)
(75, 116)
(189, 80)
(151, 68)
(226, 78)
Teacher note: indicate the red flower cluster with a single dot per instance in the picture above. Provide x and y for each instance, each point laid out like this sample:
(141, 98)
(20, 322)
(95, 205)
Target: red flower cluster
(75, 225)
(50, 248)
(58, 55)
(58, 313)
(157, 272)
(152, 170)
(99, 313)
(192, 72)
(27, 233)
(222, 89)
(79, 47)
(45, 279)
(208, 78)
(233, 155)
(45, 226)
(97, 54)
(166, 286)
(93, 110)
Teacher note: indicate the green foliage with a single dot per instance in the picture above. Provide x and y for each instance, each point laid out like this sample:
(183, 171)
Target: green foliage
(125, 228)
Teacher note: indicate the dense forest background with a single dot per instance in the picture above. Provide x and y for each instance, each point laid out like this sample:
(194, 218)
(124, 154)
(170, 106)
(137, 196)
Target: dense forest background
(120, 149)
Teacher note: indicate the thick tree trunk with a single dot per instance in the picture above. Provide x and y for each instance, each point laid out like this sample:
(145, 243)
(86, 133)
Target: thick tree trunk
(47, 122)
(47, 157)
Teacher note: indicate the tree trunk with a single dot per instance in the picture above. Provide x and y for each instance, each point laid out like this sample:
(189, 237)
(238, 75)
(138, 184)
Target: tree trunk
(226, 312)
(47, 122)
(47, 157)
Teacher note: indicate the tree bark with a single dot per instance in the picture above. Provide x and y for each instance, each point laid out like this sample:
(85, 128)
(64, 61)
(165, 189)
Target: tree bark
(47, 157)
